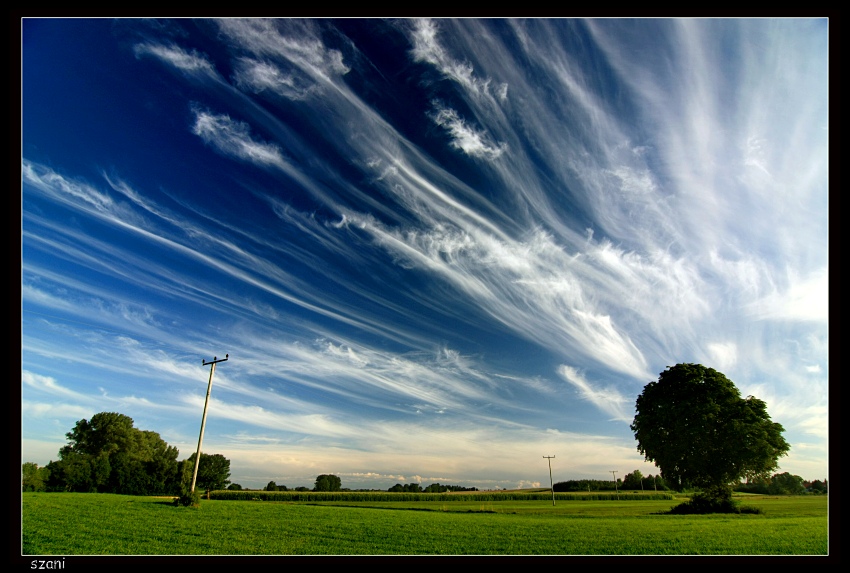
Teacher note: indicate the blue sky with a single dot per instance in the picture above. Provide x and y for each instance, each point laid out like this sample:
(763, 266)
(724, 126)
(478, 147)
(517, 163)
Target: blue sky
(435, 250)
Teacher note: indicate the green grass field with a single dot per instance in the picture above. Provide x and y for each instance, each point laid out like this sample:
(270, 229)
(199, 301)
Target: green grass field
(104, 524)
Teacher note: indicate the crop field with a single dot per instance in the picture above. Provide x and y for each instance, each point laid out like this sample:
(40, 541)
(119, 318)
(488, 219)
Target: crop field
(454, 497)
(105, 524)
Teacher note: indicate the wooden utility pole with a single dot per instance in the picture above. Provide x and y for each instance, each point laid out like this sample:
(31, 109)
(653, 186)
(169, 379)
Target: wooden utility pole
(212, 364)
(614, 473)
(550, 478)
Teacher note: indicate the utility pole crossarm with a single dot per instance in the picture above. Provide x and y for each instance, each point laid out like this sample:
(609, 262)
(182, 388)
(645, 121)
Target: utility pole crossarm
(215, 360)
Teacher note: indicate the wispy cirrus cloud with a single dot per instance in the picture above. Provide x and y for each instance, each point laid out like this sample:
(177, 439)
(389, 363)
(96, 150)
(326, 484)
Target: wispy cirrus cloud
(530, 287)
(260, 76)
(49, 385)
(609, 400)
(188, 61)
(233, 138)
(294, 41)
(464, 137)
(296, 424)
(427, 47)
(63, 189)
(803, 299)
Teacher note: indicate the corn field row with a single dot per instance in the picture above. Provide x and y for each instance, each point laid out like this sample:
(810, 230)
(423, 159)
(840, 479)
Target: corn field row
(247, 495)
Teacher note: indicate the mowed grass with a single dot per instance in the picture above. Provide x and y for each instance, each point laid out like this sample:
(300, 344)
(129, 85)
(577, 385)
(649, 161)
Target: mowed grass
(103, 524)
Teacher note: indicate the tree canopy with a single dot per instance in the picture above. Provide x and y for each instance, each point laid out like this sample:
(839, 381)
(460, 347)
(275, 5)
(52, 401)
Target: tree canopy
(213, 471)
(326, 482)
(108, 454)
(779, 484)
(33, 477)
(633, 480)
(694, 424)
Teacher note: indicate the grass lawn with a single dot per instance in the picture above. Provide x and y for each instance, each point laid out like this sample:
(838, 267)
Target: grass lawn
(104, 524)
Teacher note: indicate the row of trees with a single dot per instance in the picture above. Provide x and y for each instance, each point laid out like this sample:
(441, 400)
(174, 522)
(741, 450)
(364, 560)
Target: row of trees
(108, 454)
(636, 480)
(778, 484)
(433, 488)
(816, 486)
(633, 481)
(331, 482)
(781, 484)
(324, 482)
(272, 486)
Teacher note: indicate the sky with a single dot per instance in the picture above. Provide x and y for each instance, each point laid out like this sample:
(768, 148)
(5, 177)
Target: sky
(433, 250)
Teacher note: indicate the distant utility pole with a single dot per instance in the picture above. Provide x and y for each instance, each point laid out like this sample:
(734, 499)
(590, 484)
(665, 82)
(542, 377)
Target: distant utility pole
(550, 478)
(215, 361)
(614, 473)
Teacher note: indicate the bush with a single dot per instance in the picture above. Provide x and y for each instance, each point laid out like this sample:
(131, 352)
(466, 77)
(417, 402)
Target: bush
(188, 499)
(712, 500)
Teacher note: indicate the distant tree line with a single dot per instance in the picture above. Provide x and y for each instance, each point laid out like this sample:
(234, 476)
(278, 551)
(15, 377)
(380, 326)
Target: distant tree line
(632, 481)
(324, 482)
(272, 486)
(330, 482)
(637, 481)
(816, 486)
(433, 488)
(784, 483)
(778, 484)
(108, 454)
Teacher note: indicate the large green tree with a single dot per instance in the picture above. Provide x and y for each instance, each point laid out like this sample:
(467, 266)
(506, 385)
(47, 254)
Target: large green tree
(786, 483)
(694, 424)
(326, 482)
(213, 471)
(108, 454)
(33, 478)
(633, 480)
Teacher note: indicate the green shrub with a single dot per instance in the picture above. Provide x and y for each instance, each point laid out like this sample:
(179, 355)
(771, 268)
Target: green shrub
(717, 499)
(189, 499)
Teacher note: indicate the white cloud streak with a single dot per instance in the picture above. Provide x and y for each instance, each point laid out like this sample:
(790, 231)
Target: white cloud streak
(464, 137)
(606, 399)
(189, 62)
(233, 138)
